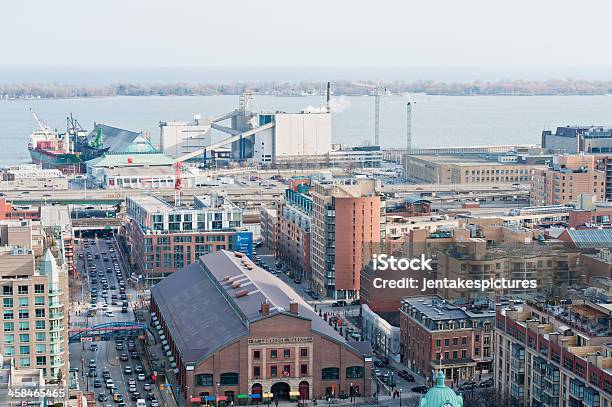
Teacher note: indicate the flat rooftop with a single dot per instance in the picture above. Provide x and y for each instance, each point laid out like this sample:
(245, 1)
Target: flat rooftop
(463, 160)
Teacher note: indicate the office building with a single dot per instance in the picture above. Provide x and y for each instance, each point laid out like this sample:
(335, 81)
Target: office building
(466, 170)
(578, 139)
(257, 339)
(163, 238)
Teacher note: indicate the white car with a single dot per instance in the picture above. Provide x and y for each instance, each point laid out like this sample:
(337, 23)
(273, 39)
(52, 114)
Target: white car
(110, 314)
(141, 377)
(132, 389)
(109, 383)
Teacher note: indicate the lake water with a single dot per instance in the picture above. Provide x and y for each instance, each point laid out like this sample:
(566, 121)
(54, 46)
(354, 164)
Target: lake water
(437, 120)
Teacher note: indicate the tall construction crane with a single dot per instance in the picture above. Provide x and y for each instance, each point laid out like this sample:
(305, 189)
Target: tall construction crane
(377, 91)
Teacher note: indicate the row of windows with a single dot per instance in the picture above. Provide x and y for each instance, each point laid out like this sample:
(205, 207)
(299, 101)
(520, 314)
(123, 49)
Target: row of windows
(39, 313)
(455, 341)
(231, 379)
(23, 302)
(23, 326)
(23, 289)
(274, 353)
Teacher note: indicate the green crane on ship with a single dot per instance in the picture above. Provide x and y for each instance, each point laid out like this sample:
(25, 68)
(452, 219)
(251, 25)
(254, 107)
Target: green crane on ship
(98, 142)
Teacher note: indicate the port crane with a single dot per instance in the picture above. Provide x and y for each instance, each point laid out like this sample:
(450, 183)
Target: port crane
(377, 91)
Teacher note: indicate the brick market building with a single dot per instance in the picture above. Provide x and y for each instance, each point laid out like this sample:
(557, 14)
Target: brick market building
(256, 336)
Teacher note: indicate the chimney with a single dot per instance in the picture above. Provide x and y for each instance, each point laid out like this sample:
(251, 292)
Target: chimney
(328, 95)
(293, 307)
(265, 309)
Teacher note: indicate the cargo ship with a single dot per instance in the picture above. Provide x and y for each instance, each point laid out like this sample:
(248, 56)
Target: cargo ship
(52, 150)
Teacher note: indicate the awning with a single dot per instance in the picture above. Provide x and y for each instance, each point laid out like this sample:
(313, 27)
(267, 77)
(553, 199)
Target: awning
(242, 396)
(222, 398)
(294, 393)
(255, 396)
(209, 398)
(268, 395)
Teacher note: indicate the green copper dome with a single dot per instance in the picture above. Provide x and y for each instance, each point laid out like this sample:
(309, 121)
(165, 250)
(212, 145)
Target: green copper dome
(441, 396)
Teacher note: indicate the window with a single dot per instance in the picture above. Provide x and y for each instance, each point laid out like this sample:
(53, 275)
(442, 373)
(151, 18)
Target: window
(463, 354)
(256, 371)
(9, 327)
(22, 289)
(39, 301)
(40, 324)
(446, 342)
(40, 349)
(438, 343)
(455, 341)
(24, 362)
(455, 354)
(304, 370)
(330, 373)
(41, 360)
(256, 354)
(24, 337)
(446, 355)
(204, 379)
(464, 340)
(24, 350)
(273, 354)
(7, 290)
(229, 379)
(304, 352)
(24, 315)
(354, 372)
(9, 338)
(40, 336)
(7, 302)
(286, 370)
(286, 353)
(273, 371)
(8, 315)
(39, 288)
(24, 326)
(40, 312)
(23, 302)
(9, 351)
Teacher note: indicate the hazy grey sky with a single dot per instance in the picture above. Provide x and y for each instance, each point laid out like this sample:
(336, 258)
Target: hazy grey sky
(338, 33)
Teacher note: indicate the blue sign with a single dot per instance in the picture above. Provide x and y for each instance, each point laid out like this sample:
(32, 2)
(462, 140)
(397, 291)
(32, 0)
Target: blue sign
(244, 243)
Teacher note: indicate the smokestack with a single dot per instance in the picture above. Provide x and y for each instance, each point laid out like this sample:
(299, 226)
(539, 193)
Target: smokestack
(328, 95)
(265, 309)
(409, 127)
(293, 307)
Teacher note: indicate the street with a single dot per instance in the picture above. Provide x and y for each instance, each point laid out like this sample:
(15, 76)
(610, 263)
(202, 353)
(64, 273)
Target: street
(109, 272)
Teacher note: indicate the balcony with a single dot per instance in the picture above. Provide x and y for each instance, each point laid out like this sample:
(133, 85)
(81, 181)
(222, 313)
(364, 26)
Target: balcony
(56, 315)
(56, 328)
(57, 362)
(56, 304)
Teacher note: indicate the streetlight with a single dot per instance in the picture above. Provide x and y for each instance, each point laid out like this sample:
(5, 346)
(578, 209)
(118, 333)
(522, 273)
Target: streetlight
(400, 396)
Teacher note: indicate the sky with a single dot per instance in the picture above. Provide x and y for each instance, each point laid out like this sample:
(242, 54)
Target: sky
(544, 37)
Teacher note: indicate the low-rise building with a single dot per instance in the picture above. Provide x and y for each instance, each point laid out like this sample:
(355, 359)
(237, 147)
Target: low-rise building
(163, 238)
(258, 338)
(569, 177)
(437, 333)
(465, 170)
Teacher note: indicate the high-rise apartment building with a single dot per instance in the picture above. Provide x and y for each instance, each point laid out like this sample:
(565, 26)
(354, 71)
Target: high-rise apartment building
(294, 219)
(34, 296)
(347, 219)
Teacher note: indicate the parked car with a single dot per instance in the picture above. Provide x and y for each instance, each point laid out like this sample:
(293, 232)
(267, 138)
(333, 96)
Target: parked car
(420, 389)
